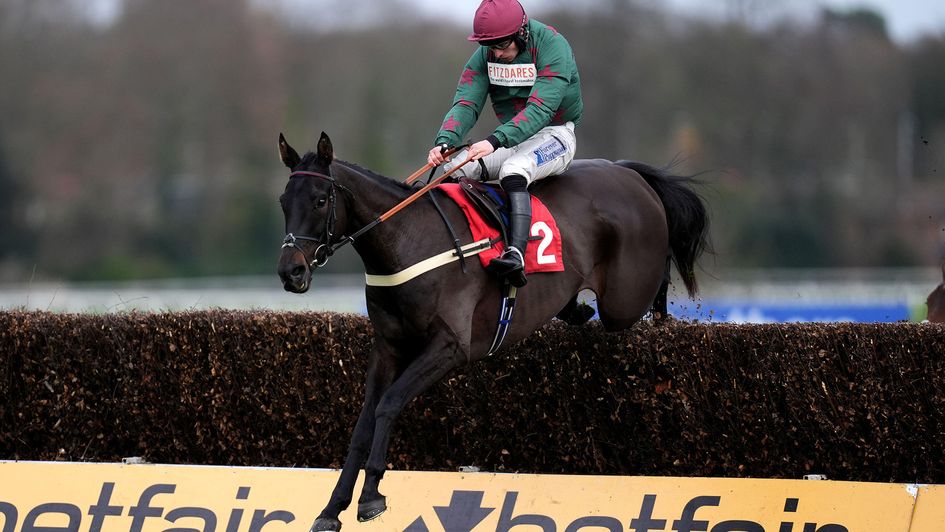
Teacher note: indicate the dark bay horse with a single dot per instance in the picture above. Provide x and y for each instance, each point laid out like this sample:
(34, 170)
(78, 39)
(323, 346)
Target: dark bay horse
(620, 223)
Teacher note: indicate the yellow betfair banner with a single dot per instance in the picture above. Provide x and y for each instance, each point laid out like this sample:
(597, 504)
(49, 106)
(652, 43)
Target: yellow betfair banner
(53, 497)
(929, 509)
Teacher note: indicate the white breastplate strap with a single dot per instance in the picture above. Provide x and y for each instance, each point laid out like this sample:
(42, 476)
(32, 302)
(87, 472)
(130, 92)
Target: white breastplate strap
(426, 265)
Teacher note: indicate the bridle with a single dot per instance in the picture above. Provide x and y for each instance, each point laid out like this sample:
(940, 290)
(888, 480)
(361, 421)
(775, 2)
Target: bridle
(324, 247)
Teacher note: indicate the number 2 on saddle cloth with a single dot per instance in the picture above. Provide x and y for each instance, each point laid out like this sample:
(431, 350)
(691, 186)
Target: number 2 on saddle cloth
(543, 252)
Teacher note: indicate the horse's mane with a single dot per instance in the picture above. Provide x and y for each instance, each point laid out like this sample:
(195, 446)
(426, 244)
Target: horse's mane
(309, 158)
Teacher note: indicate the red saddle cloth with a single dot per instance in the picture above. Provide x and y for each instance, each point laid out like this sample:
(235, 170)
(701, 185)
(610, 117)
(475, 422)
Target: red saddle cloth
(543, 252)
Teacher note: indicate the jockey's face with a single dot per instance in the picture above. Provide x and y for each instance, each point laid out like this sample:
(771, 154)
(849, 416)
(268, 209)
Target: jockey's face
(507, 54)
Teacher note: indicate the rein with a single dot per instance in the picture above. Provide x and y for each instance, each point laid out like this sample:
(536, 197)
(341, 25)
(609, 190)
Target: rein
(413, 177)
(325, 248)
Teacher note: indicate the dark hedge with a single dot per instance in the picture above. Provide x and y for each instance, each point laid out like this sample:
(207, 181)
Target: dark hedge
(852, 401)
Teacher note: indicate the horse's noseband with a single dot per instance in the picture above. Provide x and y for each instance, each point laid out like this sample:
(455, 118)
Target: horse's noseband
(324, 248)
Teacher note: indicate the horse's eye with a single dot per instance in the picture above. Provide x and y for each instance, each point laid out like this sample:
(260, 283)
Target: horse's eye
(321, 203)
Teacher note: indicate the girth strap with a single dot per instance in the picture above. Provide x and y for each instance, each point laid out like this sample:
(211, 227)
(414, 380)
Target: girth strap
(449, 227)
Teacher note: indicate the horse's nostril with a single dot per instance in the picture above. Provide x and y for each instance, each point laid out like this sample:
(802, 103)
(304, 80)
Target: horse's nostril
(298, 272)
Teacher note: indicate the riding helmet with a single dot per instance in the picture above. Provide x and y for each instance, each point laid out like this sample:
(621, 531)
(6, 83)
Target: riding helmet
(497, 19)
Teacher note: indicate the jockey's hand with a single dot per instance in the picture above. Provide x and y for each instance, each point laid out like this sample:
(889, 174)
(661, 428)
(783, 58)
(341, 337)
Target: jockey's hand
(435, 157)
(480, 150)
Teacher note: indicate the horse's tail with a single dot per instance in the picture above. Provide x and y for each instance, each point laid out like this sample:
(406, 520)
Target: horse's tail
(685, 215)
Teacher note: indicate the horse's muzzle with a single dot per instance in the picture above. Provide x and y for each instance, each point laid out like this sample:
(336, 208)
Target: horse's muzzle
(295, 274)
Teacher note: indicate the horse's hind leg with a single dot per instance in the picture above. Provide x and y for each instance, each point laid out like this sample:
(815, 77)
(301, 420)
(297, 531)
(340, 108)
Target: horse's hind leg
(630, 286)
(659, 309)
(575, 313)
(380, 374)
(436, 360)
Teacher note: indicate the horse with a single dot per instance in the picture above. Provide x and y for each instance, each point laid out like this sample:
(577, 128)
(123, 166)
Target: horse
(621, 224)
(936, 301)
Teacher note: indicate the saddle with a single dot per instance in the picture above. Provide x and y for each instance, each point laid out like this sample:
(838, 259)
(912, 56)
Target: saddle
(491, 202)
(486, 209)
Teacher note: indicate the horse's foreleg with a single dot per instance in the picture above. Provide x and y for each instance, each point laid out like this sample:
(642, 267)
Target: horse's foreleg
(431, 366)
(377, 381)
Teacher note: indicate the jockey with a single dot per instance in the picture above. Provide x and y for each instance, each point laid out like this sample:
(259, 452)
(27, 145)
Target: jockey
(528, 71)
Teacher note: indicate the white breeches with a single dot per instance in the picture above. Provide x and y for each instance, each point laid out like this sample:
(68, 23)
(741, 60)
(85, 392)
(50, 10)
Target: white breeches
(548, 152)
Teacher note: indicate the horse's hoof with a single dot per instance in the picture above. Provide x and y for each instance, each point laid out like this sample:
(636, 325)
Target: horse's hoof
(581, 314)
(325, 524)
(371, 509)
(663, 318)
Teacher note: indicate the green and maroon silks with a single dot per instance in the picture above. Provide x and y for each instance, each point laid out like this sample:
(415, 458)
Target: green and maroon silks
(541, 87)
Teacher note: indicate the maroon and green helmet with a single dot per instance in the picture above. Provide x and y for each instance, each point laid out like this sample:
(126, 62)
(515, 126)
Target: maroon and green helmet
(497, 19)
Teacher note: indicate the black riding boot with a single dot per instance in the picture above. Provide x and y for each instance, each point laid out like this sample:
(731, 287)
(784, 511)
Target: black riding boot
(511, 265)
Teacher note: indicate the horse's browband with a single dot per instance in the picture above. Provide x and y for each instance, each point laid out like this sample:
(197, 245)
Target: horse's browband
(313, 174)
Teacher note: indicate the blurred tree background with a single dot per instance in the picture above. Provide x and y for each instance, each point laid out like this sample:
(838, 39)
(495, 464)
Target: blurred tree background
(146, 146)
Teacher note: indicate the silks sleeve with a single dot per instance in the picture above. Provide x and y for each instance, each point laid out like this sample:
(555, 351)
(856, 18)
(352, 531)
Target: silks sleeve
(470, 97)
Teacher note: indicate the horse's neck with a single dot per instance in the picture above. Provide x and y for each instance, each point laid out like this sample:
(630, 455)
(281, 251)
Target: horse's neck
(370, 197)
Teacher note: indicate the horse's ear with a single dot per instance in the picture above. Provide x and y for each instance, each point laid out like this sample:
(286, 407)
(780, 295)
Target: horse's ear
(289, 156)
(325, 154)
